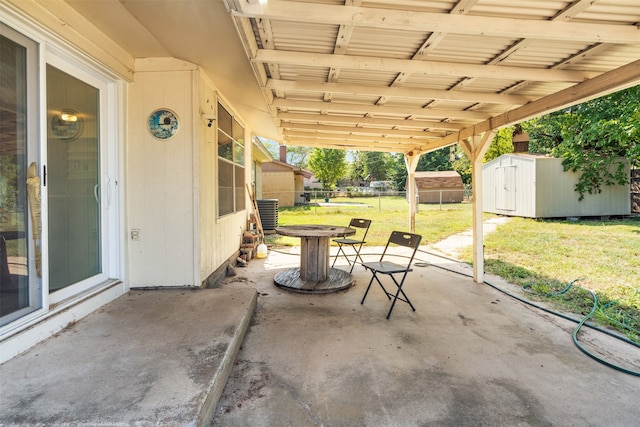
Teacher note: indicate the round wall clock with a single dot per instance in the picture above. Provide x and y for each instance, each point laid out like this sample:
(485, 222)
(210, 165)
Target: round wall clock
(163, 124)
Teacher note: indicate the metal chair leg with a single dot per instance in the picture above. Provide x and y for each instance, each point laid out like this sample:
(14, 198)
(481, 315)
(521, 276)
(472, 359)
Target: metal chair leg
(367, 291)
(355, 259)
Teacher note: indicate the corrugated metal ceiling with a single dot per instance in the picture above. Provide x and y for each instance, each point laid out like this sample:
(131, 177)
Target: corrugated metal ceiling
(338, 68)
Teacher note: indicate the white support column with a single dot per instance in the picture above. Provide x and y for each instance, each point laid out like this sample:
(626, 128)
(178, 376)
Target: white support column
(475, 148)
(411, 161)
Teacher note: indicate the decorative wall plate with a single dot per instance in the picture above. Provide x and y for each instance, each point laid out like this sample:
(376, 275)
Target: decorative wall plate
(163, 124)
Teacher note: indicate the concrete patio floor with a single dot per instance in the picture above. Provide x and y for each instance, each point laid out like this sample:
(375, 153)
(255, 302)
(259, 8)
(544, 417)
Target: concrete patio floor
(469, 355)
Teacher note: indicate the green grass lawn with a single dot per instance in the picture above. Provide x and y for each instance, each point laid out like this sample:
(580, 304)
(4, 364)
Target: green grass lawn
(387, 214)
(544, 255)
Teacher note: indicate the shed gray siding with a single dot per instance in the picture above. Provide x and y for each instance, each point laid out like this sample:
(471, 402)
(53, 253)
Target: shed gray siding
(509, 185)
(538, 187)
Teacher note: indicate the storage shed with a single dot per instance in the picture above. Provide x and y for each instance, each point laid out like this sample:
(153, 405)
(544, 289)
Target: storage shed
(536, 186)
(439, 187)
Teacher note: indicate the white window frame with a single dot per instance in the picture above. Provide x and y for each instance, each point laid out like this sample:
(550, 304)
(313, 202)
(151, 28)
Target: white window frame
(233, 162)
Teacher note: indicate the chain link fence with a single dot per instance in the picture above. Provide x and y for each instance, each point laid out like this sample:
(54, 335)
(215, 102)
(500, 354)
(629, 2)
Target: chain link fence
(365, 197)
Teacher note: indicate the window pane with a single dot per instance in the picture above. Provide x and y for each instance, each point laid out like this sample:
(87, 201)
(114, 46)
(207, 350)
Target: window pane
(238, 153)
(231, 183)
(225, 187)
(73, 149)
(14, 280)
(240, 191)
(225, 146)
(238, 131)
(224, 120)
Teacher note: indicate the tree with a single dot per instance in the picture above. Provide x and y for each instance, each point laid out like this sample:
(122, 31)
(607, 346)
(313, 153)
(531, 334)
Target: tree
(375, 165)
(501, 144)
(462, 165)
(355, 170)
(271, 146)
(327, 165)
(8, 182)
(438, 160)
(397, 171)
(298, 156)
(591, 138)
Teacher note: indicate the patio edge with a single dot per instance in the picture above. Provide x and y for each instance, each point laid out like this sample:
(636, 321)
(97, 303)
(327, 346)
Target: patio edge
(207, 408)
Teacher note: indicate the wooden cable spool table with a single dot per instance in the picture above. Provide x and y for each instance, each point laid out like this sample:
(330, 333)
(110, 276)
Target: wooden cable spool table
(314, 274)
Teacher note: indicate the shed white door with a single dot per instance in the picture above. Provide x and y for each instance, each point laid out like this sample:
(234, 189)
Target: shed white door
(506, 188)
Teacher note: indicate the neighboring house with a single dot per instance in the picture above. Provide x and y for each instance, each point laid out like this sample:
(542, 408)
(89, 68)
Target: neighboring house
(536, 186)
(439, 187)
(381, 185)
(312, 183)
(283, 181)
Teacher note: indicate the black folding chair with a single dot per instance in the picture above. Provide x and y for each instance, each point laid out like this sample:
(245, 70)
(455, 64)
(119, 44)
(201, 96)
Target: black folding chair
(397, 239)
(355, 243)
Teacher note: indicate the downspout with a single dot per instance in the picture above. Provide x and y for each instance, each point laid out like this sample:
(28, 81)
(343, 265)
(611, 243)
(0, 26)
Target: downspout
(411, 161)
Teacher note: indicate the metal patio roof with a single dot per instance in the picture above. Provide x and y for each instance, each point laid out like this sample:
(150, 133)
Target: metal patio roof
(415, 75)
(405, 76)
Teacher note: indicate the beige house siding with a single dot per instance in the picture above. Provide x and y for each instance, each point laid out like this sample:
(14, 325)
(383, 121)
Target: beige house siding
(283, 182)
(160, 183)
(279, 185)
(219, 238)
(172, 185)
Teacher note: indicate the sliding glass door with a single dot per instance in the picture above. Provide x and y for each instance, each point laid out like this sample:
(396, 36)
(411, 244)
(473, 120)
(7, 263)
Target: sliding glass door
(58, 197)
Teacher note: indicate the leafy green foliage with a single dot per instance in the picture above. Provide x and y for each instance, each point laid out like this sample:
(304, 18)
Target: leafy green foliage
(502, 144)
(375, 168)
(462, 165)
(298, 156)
(397, 171)
(591, 138)
(8, 182)
(327, 165)
(438, 160)
(355, 169)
